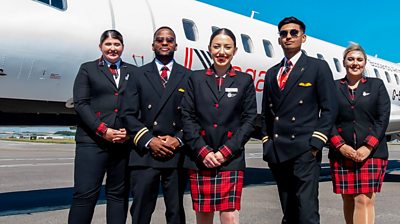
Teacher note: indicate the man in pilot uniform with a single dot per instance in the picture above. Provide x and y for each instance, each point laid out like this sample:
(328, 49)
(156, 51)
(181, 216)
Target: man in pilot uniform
(152, 117)
(299, 108)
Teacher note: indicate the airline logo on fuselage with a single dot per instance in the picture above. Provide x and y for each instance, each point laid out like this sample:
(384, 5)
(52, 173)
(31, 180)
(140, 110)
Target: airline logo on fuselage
(205, 58)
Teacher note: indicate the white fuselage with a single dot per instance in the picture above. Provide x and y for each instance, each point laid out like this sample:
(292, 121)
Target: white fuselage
(43, 46)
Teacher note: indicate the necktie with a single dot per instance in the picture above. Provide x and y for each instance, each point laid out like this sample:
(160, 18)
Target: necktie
(114, 70)
(164, 75)
(284, 76)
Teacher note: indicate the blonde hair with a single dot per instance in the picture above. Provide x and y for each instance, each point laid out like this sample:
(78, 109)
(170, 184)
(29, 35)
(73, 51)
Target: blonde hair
(354, 47)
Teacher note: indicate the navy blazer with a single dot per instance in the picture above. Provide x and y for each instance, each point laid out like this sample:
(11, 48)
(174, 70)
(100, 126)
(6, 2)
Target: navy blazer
(218, 118)
(150, 110)
(301, 116)
(97, 99)
(367, 116)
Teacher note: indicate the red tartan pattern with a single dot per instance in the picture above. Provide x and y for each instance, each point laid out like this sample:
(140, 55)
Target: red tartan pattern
(101, 129)
(203, 152)
(226, 152)
(349, 177)
(214, 190)
(337, 141)
(371, 141)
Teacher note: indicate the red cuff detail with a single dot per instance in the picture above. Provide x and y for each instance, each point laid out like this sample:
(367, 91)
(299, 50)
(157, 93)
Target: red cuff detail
(225, 151)
(203, 133)
(101, 129)
(371, 141)
(337, 141)
(203, 152)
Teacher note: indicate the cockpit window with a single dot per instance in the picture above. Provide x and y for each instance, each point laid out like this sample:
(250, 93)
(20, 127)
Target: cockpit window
(59, 4)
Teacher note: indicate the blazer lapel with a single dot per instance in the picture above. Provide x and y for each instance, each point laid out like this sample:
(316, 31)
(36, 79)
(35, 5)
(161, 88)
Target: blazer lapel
(123, 77)
(107, 74)
(229, 80)
(344, 89)
(210, 80)
(274, 82)
(175, 78)
(153, 76)
(294, 76)
(362, 91)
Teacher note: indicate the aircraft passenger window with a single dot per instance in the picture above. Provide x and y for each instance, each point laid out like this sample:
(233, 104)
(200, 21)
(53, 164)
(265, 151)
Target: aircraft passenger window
(269, 50)
(377, 73)
(397, 79)
(320, 56)
(59, 4)
(388, 77)
(190, 29)
(214, 28)
(337, 65)
(247, 43)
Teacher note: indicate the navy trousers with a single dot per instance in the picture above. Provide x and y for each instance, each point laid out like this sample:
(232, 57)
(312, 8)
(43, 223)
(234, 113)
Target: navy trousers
(91, 164)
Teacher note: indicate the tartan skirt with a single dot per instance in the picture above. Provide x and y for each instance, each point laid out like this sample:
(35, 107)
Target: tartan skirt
(214, 190)
(350, 177)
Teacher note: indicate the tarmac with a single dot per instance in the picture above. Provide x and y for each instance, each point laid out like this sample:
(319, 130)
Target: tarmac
(36, 188)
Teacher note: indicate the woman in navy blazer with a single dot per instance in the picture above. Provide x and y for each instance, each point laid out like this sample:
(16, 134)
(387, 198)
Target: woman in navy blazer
(219, 112)
(100, 134)
(358, 153)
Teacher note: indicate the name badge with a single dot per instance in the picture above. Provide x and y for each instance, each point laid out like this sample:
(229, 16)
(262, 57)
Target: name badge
(231, 90)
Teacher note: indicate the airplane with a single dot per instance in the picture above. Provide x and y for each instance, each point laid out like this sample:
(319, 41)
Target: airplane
(45, 41)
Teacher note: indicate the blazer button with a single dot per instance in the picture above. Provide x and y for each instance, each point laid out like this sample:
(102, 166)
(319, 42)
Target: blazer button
(301, 102)
(270, 105)
(293, 137)
(149, 106)
(217, 105)
(178, 108)
(116, 110)
(215, 125)
(116, 94)
(173, 123)
(155, 123)
(276, 135)
(293, 119)
(277, 118)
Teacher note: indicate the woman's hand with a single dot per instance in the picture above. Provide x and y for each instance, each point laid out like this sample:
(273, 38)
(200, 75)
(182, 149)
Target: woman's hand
(115, 136)
(362, 153)
(348, 152)
(211, 161)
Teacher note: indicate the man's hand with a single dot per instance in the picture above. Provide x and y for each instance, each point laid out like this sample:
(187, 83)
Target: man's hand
(159, 148)
(314, 151)
(210, 161)
(172, 142)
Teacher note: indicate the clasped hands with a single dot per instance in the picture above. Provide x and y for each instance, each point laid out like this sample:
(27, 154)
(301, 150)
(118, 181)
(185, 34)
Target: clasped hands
(115, 136)
(356, 155)
(213, 160)
(163, 146)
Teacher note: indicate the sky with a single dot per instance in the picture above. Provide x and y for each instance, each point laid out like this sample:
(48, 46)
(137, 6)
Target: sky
(375, 25)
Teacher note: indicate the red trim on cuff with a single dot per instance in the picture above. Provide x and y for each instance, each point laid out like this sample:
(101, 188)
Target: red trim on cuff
(371, 141)
(101, 129)
(226, 151)
(204, 152)
(337, 141)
